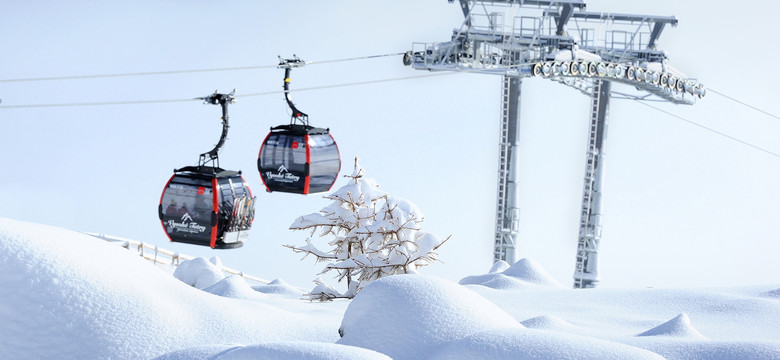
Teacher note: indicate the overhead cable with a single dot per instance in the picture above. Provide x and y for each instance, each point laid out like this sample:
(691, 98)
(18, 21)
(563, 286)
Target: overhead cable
(709, 129)
(98, 103)
(354, 58)
(745, 104)
(147, 73)
(171, 72)
(138, 102)
(350, 84)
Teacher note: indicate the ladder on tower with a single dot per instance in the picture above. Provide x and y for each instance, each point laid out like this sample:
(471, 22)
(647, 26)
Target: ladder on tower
(502, 229)
(586, 269)
(507, 212)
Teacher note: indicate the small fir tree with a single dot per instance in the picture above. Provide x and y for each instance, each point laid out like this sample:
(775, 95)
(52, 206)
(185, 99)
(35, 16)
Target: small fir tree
(372, 235)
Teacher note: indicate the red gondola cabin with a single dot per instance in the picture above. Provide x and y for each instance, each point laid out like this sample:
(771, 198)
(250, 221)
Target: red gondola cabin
(299, 159)
(207, 206)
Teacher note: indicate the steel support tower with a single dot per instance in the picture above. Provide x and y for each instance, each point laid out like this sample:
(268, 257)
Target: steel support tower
(530, 38)
(586, 270)
(507, 204)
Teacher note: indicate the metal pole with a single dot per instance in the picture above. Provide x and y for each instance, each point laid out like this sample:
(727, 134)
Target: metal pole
(507, 205)
(586, 272)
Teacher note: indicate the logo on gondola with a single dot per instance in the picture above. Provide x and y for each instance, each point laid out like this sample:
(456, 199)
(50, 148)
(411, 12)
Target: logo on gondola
(282, 175)
(187, 225)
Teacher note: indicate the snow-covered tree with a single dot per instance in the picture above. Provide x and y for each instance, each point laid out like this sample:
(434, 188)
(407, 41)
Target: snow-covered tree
(371, 233)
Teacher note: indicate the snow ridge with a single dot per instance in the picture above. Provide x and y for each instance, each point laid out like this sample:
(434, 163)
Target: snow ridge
(70, 295)
(522, 274)
(279, 287)
(425, 307)
(680, 326)
(547, 322)
(292, 350)
(234, 287)
(67, 295)
(773, 293)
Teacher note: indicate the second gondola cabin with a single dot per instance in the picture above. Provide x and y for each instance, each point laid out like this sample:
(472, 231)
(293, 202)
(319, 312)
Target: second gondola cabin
(299, 159)
(207, 206)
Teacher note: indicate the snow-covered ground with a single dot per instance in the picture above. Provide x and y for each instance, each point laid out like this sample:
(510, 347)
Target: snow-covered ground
(69, 295)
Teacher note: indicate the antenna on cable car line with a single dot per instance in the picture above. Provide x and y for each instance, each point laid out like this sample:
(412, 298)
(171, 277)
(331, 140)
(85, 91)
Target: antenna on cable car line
(223, 100)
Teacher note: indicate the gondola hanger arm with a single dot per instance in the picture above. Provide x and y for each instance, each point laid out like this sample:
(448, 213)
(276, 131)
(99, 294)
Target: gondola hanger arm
(287, 65)
(223, 100)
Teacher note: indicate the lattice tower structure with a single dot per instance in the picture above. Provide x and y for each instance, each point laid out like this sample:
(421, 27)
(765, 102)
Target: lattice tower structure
(562, 42)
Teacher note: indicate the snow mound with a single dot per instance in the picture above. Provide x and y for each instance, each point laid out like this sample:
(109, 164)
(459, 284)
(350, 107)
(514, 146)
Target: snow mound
(710, 350)
(530, 271)
(199, 272)
(68, 295)
(235, 287)
(522, 274)
(680, 327)
(773, 293)
(533, 344)
(499, 266)
(276, 351)
(279, 287)
(547, 322)
(495, 281)
(404, 316)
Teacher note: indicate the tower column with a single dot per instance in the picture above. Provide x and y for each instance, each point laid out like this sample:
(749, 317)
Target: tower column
(586, 272)
(507, 205)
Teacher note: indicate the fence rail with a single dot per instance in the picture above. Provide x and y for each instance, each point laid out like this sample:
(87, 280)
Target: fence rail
(162, 256)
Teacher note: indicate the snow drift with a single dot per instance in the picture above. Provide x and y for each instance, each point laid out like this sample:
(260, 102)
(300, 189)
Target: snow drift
(280, 287)
(276, 351)
(428, 308)
(524, 273)
(199, 272)
(446, 321)
(680, 326)
(69, 295)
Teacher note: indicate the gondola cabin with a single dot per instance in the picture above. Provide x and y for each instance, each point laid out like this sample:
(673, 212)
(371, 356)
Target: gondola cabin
(209, 206)
(299, 159)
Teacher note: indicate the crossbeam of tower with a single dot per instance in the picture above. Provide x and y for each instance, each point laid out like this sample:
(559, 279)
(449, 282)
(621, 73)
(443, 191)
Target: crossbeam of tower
(536, 39)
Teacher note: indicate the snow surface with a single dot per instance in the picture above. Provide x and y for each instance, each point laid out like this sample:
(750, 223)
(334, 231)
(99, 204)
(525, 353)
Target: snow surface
(69, 295)
(680, 326)
(524, 273)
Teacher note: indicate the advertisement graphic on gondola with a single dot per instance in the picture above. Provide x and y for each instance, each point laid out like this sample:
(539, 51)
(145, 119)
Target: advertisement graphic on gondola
(187, 213)
(282, 175)
(282, 162)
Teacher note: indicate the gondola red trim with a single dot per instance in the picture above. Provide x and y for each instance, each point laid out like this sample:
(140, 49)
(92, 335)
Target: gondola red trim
(215, 208)
(307, 179)
(338, 155)
(162, 222)
(259, 156)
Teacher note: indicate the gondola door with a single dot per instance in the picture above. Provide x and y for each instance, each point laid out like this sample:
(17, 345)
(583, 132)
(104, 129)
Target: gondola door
(323, 161)
(283, 162)
(188, 210)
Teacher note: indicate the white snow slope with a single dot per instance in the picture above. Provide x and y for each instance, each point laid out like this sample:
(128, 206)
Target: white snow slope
(68, 295)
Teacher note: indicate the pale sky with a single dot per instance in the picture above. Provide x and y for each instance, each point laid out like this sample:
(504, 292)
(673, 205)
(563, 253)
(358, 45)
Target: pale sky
(682, 206)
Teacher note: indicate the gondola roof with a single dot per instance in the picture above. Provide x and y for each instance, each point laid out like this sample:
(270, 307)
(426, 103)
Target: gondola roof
(208, 171)
(301, 129)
